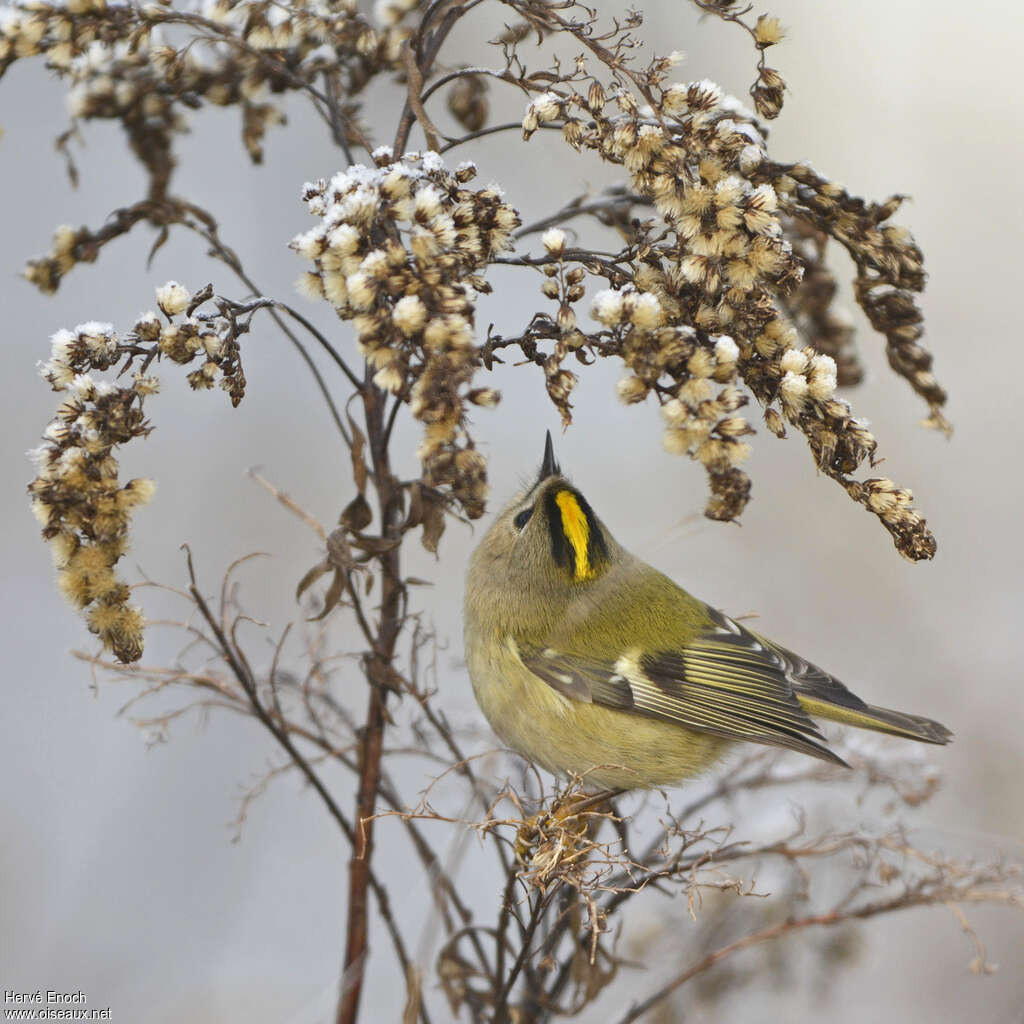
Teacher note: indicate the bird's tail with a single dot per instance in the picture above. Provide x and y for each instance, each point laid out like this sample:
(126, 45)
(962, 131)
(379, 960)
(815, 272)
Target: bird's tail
(895, 723)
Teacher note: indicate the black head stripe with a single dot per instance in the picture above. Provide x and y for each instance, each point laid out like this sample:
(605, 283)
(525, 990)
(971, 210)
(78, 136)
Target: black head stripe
(562, 550)
(597, 550)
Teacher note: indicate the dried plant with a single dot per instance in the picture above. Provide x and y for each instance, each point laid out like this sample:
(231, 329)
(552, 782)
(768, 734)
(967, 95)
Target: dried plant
(707, 273)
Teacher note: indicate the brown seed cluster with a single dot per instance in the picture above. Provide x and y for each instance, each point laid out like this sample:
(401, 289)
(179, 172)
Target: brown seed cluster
(121, 66)
(398, 251)
(209, 337)
(77, 496)
(118, 65)
(720, 301)
(557, 845)
(890, 268)
(45, 272)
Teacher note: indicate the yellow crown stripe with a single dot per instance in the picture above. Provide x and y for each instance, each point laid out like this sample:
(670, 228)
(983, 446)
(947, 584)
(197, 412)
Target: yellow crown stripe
(576, 528)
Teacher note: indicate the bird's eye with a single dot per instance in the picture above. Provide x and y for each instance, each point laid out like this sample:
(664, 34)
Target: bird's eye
(523, 518)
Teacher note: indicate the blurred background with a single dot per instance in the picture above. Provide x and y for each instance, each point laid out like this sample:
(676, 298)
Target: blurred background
(118, 874)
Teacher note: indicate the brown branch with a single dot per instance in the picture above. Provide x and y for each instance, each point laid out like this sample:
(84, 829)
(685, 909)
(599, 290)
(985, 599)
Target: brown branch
(422, 50)
(371, 739)
(537, 911)
(903, 901)
(248, 684)
(415, 83)
(241, 671)
(207, 229)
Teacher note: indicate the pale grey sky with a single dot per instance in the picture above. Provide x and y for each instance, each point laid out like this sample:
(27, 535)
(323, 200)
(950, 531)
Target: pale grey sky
(117, 873)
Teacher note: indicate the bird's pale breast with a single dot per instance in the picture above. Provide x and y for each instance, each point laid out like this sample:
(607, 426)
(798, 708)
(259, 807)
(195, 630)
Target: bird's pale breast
(565, 735)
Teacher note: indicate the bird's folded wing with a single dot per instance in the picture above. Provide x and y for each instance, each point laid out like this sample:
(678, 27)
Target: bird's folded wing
(725, 681)
(822, 694)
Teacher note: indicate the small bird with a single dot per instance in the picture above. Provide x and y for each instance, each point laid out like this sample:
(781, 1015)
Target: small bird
(586, 660)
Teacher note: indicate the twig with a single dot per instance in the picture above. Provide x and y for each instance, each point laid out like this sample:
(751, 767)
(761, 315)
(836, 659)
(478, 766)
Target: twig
(536, 916)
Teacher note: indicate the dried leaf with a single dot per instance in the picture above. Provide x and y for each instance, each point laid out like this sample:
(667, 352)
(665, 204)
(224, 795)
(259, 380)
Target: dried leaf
(339, 553)
(375, 545)
(414, 995)
(453, 972)
(311, 577)
(381, 673)
(357, 514)
(433, 524)
(414, 78)
(340, 560)
(467, 102)
(332, 597)
(359, 471)
(592, 971)
(415, 514)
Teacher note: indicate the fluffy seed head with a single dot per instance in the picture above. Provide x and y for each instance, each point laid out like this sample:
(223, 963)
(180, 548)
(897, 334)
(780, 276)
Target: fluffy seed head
(172, 298)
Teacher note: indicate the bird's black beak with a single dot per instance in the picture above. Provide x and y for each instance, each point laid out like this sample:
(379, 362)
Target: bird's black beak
(549, 467)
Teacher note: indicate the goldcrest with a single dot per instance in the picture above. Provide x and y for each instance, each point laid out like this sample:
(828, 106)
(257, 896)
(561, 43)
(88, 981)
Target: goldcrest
(586, 660)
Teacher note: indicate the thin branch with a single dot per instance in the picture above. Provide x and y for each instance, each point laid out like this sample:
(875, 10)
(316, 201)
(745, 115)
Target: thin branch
(426, 48)
(903, 901)
(480, 133)
(536, 916)
(228, 256)
(324, 344)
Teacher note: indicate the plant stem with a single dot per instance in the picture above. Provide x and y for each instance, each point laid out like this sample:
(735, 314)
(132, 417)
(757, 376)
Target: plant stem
(371, 736)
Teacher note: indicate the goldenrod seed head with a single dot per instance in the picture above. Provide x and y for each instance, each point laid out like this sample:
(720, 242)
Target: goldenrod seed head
(646, 312)
(139, 491)
(794, 390)
(310, 244)
(608, 307)
(674, 101)
(768, 31)
(389, 378)
(631, 389)
(172, 298)
(727, 351)
(485, 397)
(361, 290)
(546, 106)
(554, 241)
(675, 442)
(409, 314)
(310, 285)
(793, 361)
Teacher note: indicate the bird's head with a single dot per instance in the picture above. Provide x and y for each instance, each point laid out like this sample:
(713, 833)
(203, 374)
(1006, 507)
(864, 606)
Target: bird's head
(545, 545)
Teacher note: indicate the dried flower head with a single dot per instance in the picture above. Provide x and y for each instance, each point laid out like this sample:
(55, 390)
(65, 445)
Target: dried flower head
(732, 296)
(398, 250)
(84, 509)
(77, 496)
